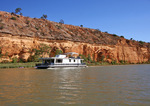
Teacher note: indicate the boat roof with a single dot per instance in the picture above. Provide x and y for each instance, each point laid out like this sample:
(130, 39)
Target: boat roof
(57, 57)
(70, 53)
(48, 58)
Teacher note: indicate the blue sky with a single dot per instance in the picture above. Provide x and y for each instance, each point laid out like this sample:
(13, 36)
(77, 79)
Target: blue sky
(128, 18)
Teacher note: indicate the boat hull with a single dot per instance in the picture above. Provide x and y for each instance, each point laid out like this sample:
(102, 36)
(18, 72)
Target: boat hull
(60, 66)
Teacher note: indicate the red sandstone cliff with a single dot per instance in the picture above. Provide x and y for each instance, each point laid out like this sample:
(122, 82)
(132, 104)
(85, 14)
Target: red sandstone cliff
(19, 35)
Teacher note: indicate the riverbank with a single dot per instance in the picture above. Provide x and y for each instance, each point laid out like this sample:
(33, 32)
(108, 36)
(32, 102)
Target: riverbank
(18, 65)
(32, 64)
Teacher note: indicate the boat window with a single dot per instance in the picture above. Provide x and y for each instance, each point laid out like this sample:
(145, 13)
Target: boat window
(52, 61)
(74, 60)
(45, 62)
(81, 61)
(58, 60)
(69, 60)
(48, 61)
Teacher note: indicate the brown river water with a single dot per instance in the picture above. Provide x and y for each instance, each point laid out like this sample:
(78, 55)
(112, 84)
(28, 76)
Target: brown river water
(98, 86)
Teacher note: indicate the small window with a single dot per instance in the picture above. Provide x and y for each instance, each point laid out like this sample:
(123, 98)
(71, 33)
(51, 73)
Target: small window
(74, 60)
(58, 60)
(69, 60)
(52, 60)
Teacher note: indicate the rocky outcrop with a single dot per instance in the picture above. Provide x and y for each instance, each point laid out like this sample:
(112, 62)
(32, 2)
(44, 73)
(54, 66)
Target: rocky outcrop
(19, 36)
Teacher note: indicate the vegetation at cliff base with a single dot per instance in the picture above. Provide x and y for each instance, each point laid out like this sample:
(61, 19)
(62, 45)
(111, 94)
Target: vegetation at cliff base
(39, 53)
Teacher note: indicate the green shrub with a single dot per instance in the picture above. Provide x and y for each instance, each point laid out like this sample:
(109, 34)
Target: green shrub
(13, 18)
(58, 27)
(122, 36)
(131, 38)
(58, 52)
(81, 25)
(1, 27)
(0, 51)
(141, 42)
(39, 52)
(89, 58)
(14, 60)
(114, 62)
(121, 61)
(27, 22)
(102, 58)
(17, 10)
(5, 61)
(44, 16)
(83, 57)
(61, 21)
(36, 28)
(114, 35)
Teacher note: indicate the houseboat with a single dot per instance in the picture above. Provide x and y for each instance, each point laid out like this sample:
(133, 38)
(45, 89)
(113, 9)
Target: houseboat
(61, 60)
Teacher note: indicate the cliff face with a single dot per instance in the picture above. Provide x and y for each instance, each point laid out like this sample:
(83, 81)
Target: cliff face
(19, 36)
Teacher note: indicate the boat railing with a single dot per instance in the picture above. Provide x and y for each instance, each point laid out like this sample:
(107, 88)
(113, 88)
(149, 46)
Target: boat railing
(60, 64)
(69, 64)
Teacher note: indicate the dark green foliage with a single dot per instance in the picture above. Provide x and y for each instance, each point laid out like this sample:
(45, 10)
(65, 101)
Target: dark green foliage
(141, 42)
(102, 58)
(89, 58)
(81, 25)
(114, 62)
(114, 35)
(18, 10)
(83, 57)
(58, 52)
(27, 22)
(131, 38)
(122, 36)
(14, 60)
(42, 33)
(36, 28)
(44, 16)
(93, 57)
(122, 62)
(96, 31)
(38, 53)
(5, 61)
(13, 18)
(61, 21)
(17, 65)
(1, 52)
(6, 54)
(1, 27)
(59, 27)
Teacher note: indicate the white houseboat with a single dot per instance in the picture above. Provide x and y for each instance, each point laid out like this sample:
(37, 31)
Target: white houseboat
(62, 60)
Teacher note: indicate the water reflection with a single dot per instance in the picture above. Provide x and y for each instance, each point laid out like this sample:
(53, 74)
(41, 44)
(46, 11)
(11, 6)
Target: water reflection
(111, 85)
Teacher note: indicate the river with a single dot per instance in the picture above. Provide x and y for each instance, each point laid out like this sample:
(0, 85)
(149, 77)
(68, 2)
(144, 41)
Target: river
(101, 85)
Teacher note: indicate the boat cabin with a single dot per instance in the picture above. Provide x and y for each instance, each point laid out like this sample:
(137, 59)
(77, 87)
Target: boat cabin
(62, 60)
